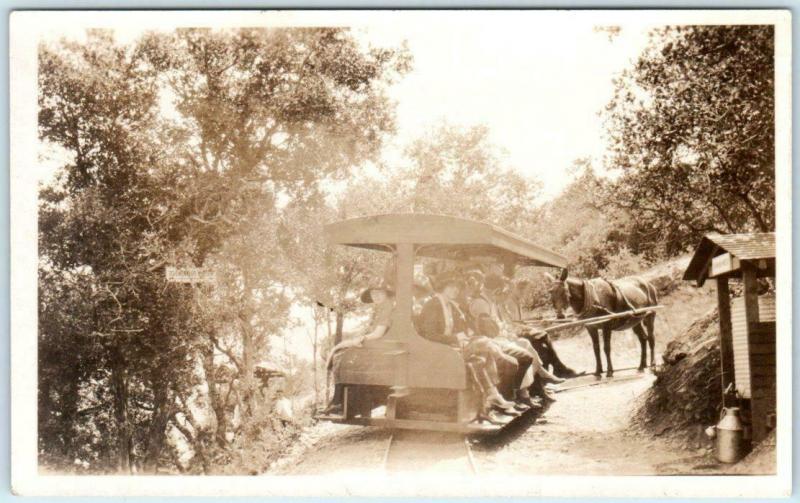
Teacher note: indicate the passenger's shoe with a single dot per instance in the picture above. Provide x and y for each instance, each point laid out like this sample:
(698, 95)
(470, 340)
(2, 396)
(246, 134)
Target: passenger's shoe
(532, 402)
(508, 411)
(521, 406)
(497, 400)
(493, 417)
(567, 373)
(334, 409)
(551, 379)
(548, 396)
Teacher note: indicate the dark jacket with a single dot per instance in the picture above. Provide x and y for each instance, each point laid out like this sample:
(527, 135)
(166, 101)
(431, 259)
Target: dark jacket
(431, 324)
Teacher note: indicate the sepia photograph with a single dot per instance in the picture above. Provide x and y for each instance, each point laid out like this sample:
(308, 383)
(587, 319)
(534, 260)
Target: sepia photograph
(401, 253)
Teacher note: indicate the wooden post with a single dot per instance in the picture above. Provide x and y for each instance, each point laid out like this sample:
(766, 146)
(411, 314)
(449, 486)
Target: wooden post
(402, 325)
(758, 414)
(725, 333)
(749, 275)
(401, 322)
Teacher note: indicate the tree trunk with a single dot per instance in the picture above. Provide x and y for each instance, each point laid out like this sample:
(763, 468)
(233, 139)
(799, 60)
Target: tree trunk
(327, 374)
(156, 433)
(119, 385)
(314, 357)
(247, 379)
(762, 225)
(217, 402)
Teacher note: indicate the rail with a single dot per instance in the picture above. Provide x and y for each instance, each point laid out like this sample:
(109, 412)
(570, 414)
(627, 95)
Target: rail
(414, 450)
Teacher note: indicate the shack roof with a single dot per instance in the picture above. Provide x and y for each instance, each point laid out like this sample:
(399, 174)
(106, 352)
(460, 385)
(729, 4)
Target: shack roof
(753, 246)
(441, 236)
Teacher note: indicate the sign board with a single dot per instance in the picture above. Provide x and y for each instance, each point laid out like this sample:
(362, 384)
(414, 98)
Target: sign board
(722, 264)
(190, 275)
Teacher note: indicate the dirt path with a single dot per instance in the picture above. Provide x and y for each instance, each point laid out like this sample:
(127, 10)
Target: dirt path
(586, 432)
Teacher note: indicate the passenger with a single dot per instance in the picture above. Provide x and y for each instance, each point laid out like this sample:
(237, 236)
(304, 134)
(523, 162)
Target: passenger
(508, 365)
(383, 300)
(515, 299)
(442, 321)
(473, 283)
(486, 304)
(511, 304)
(439, 321)
(420, 292)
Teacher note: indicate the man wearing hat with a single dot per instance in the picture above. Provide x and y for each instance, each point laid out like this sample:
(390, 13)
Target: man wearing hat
(510, 303)
(383, 300)
(485, 304)
(442, 321)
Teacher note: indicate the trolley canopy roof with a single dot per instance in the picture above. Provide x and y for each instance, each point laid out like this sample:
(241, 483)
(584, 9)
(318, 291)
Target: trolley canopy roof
(441, 236)
(718, 254)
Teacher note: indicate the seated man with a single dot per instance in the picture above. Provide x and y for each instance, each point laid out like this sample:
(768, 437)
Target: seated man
(442, 321)
(485, 303)
(383, 301)
(511, 301)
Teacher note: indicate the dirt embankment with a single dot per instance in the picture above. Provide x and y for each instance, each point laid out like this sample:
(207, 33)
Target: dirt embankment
(685, 397)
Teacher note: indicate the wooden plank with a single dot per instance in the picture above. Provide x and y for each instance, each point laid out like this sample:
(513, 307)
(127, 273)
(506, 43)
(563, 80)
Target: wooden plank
(762, 349)
(750, 283)
(763, 326)
(763, 338)
(758, 411)
(725, 333)
(723, 264)
(763, 374)
(762, 392)
(758, 360)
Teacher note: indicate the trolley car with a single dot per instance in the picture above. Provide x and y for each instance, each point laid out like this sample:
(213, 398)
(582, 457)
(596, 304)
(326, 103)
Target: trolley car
(420, 384)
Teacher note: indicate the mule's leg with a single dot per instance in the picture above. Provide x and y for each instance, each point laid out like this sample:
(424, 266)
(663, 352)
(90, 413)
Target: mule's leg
(607, 349)
(639, 331)
(650, 323)
(598, 369)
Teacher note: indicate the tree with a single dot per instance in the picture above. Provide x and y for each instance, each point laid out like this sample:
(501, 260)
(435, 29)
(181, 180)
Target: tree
(692, 134)
(183, 150)
(450, 170)
(269, 115)
(99, 102)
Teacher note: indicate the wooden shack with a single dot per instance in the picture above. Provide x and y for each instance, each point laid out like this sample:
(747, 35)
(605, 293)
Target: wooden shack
(747, 322)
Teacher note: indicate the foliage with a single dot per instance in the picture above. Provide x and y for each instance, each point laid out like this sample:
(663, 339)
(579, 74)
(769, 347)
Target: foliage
(692, 134)
(182, 148)
(454, 171)
(623, 263)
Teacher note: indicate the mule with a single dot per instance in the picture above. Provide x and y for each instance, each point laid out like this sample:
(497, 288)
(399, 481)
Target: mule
(598, 297)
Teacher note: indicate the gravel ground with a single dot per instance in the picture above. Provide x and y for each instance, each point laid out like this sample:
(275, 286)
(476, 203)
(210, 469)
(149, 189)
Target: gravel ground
(586, 432)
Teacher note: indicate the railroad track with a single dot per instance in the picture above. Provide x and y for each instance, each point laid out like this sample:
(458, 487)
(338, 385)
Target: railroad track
(428, 451)
(620, 375)
(448, 452)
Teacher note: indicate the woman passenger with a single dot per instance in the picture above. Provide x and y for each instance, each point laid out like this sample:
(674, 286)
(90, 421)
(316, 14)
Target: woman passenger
(383, 301)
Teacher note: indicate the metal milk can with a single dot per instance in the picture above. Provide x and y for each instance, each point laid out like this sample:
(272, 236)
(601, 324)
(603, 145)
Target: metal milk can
(730, 442)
